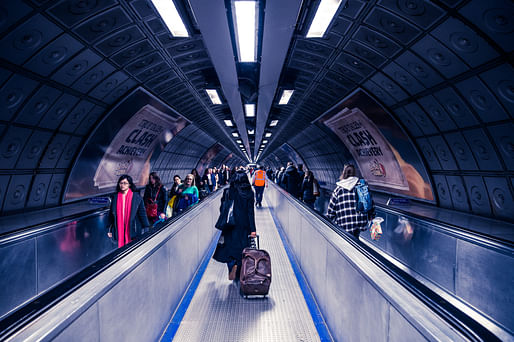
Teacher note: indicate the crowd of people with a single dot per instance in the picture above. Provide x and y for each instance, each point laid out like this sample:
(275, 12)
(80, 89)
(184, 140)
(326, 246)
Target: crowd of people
(129, 210)
(299, 183)
(132, 215)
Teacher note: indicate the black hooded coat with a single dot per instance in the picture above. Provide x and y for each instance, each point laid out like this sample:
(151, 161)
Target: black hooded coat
(292, 181)
(236, 238)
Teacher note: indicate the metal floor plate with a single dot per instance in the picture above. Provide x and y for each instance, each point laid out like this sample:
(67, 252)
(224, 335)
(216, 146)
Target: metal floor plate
(218, 312)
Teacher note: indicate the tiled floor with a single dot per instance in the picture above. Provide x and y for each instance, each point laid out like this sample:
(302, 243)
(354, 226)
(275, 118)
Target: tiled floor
(217, 312)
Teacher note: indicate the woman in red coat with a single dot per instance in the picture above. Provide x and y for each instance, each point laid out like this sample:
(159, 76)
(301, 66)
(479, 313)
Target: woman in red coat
(127, 218)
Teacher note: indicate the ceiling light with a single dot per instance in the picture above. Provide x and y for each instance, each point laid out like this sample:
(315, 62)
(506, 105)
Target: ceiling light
(267, 135)
(273, 123)
(286, 95)
(228, 123)
(246, 29)
(324, 14)
(239, 141)
(213, 95)
(265, 141)
(235, 135)
(251, 131)
(250, 110)
(171, 17)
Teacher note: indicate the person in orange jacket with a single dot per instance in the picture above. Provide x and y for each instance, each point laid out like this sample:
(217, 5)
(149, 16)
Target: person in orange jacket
(259, 181)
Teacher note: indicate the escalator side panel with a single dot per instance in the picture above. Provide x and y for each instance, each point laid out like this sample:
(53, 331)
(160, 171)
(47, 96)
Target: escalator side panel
(18, 280)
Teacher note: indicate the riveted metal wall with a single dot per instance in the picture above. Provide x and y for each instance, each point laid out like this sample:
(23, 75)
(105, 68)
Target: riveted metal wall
(64, 64)
(444, 70)
(183, 152)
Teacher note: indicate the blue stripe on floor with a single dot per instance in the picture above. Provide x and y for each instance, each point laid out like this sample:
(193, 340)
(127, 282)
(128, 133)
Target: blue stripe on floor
(175, 321)
(319, 322)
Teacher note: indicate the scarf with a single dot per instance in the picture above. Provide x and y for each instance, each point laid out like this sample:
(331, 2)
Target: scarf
(123, 218)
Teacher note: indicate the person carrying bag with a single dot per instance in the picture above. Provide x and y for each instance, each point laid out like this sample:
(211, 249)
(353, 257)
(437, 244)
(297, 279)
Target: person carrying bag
(226, 219)
(151, 206)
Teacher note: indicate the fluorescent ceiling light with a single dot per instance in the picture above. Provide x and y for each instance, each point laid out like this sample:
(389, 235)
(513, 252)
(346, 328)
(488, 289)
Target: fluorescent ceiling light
(251, 131)
(239, 141)
(324, 14)
(286, 95)
(246, 29)
(267, 135)
(265, 141)
(235, 135)
(250, 110)
(172, 19)
(213, 95)
(228, 123)
(273, 123)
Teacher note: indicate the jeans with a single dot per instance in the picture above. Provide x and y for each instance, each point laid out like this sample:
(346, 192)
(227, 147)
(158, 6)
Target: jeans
(259, 190)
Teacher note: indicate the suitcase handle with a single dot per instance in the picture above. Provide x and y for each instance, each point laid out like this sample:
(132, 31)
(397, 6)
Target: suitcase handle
(252, 241)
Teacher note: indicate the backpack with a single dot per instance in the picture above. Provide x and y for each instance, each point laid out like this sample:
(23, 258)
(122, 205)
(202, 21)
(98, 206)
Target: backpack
(364, 202)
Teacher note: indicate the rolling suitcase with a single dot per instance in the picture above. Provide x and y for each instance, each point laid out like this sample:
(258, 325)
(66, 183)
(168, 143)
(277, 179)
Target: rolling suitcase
(255, 277)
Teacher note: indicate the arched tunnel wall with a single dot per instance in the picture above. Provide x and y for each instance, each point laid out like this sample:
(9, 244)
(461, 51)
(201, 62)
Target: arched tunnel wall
(442, 68)
(184, 151)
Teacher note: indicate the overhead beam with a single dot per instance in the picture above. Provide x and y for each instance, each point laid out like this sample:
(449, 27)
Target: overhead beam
(279, 25)
(212, 19)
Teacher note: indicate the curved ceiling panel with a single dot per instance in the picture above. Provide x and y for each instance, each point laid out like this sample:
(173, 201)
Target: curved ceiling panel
(442, 68)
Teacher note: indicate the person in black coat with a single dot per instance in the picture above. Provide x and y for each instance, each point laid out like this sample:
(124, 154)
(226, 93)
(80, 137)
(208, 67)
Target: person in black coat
(156, 193)
(235, 238)
(126, 200)
(308, 184)
(291, 180)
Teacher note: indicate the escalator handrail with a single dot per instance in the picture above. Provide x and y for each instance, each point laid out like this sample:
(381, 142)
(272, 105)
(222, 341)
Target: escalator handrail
(41, 228)
(457, 231)
(459, 320)
(33, 309)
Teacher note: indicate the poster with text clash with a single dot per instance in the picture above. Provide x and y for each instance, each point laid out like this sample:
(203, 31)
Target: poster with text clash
(127, 141)
(369, 148)
(130, 151)
(383, 152)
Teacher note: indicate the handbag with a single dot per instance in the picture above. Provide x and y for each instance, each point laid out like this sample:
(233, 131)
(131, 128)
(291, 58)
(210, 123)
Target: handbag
(151, 207)
(226, 219)
(315, 188)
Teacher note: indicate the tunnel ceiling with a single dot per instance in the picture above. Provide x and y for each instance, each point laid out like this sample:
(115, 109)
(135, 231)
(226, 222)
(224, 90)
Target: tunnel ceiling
(442, 68)
(437, 66)
(88, 54)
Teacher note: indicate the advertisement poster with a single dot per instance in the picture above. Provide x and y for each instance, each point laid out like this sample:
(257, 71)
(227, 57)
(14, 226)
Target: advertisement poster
(226, 160)
(292, 155)
(127, 141)
(205, 161)
(382, 151)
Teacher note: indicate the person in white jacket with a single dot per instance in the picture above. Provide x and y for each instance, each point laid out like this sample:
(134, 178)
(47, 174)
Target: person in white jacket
(342, 208)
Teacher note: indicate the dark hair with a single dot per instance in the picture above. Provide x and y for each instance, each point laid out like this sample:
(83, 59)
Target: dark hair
(309, 175)
(194, 172)
(240, 178)
(348, 171)
(177, 176)
(156, 177)
(132, 186)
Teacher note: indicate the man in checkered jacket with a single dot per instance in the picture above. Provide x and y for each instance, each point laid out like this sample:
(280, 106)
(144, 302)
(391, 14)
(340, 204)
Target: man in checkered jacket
(343, 204)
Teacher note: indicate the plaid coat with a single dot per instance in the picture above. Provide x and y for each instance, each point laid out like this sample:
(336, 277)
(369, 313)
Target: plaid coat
(342, 210)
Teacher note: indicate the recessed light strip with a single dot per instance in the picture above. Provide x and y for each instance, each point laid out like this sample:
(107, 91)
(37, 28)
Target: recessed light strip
(286, 96)
(250, 110)
(324, 15)
(213, 95)
(171, 17)
(245, 13)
